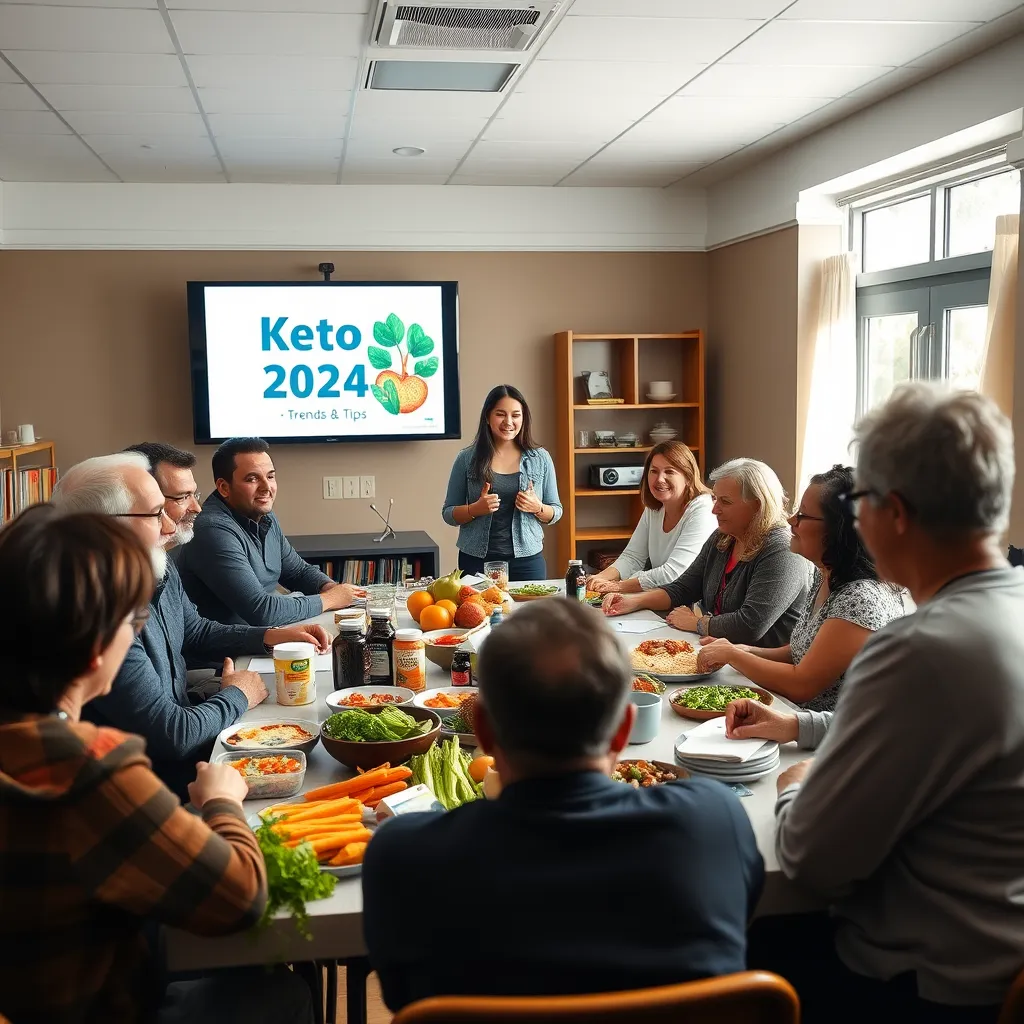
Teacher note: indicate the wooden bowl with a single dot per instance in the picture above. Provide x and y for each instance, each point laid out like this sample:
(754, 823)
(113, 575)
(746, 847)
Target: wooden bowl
(362, 754)
(520, 598)
(703, 716)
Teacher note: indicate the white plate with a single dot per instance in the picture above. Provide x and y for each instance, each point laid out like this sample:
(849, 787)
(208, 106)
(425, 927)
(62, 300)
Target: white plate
(748, 776)
(254, 821)
(466, 739)
(665, 677)
(333, 698)
(769, 753)
(420, 700)
(305, 746)
(729, 767)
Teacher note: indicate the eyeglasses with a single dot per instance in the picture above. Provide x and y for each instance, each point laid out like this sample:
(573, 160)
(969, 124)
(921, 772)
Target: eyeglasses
(849, 501)
(801, 516)
(141, 515)
(184, 499)
(138, 621)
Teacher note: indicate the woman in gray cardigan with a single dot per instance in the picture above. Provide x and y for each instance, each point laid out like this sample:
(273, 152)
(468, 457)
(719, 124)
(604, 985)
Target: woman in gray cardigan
(750, 586)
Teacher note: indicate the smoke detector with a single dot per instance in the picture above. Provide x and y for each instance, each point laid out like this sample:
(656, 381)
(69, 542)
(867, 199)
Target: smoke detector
(481, 25)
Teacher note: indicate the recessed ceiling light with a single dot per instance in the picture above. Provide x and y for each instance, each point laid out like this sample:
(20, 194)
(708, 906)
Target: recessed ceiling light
(408, 151)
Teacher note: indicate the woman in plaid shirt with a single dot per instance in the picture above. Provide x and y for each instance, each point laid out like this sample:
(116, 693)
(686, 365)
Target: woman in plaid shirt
(92, 845)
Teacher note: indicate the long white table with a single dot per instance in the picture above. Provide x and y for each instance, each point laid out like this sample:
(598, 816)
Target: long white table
(336, 922)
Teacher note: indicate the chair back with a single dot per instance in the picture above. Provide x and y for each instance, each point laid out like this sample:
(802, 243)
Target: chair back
(1013, 1004)
(751, 997)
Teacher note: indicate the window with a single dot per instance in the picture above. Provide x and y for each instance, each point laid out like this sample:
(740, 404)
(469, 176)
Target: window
(922, 294)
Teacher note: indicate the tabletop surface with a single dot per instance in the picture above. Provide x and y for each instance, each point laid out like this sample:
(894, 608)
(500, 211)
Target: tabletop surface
(337, 921)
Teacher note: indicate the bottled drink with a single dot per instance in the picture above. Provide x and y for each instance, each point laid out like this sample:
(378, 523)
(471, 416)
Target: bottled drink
(380, 642)
(461, 666)
(349, 657)
(576, 581)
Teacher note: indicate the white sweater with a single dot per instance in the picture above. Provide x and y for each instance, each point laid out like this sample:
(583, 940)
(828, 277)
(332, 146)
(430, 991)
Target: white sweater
(669, 553)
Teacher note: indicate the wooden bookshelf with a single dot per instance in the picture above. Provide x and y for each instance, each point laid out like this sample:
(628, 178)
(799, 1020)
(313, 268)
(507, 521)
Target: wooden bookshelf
(16, 458)
(631, 360)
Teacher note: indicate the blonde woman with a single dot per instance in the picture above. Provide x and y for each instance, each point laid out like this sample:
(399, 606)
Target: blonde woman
(676, 522)
(751, 587)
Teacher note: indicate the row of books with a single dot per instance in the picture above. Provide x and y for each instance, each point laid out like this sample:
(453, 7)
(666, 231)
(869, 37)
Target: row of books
(24, 487)
(362, 572)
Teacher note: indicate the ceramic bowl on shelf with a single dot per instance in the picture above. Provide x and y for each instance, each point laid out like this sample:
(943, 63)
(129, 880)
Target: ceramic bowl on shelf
(663, 432)
(660, 399)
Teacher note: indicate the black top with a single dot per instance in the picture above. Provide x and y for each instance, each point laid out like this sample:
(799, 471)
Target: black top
(506, 486)
(566, 885)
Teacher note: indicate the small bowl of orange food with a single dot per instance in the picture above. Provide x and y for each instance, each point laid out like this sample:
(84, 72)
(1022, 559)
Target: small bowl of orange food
(443, 701)
(268, 776)
(368, 696)
(441, 644)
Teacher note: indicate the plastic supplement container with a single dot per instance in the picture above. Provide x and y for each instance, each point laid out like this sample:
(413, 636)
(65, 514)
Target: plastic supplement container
(409, 653)
(295, 673)
(269, 786)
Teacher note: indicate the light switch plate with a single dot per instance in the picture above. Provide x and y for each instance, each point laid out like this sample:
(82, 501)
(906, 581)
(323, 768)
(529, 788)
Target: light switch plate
(350, 486)
(332, 487)
(367, 487)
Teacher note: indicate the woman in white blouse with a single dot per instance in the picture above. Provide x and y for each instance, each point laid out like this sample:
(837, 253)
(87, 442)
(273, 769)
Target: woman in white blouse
(676, 522)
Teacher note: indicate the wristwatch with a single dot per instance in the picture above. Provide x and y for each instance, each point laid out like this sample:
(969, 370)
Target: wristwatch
(703, 623)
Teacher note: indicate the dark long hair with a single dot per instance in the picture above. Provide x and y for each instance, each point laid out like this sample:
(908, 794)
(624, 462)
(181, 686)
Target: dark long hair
(844, 554)
(483, 445)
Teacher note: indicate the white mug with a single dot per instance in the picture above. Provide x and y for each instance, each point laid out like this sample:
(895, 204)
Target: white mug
(660, 387)
(26, 433)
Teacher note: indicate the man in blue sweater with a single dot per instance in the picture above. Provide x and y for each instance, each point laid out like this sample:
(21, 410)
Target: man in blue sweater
(239, 557)
(149, 696)
(582, 884)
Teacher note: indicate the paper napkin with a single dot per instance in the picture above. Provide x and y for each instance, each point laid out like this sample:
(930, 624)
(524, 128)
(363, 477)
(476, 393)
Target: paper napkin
(709, 741)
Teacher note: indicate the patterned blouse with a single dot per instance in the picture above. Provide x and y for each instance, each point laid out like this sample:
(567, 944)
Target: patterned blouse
(865, 603)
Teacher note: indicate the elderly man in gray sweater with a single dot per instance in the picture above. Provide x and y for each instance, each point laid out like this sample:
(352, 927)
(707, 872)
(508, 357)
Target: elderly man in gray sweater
(910, 819)
(150, 694)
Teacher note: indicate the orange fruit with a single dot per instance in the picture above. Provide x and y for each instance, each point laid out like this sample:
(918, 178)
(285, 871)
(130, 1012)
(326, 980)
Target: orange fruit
(450, 606)
(417, 601)
(434, 617)
(478, 767)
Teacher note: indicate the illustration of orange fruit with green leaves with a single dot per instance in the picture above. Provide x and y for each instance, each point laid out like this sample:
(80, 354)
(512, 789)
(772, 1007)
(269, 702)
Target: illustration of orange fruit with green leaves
(401, 391)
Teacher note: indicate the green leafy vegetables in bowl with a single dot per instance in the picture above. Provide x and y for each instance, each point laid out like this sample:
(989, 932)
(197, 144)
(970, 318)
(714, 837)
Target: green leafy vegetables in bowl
(293, 878)
(534, 590)
(385, 726)
(713, 698)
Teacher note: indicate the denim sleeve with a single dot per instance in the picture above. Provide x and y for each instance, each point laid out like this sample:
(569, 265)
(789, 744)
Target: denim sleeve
(456, 494)
(549, 495)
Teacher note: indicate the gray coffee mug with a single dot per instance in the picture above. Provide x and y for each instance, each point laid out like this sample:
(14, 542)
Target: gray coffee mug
(648, 716)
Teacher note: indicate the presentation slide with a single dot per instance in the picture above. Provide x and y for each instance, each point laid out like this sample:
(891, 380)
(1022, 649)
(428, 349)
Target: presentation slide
(307, 361)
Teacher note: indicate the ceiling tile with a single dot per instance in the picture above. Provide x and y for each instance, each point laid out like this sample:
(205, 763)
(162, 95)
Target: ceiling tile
(407, 132)
(274, 150)
(662, 142)
(555, 130)
(624, 177)
(142, 4)
(292, 6)
(678, 40)
(169, 170)
(113, 99)
(19, 97)
(92, 29)
(8, 75)
(261, 175)
(756, 80)
(376, 149)
(243, 71)
(505, 177)
(230, 32)
(678, 8)
(712, 113)
(93, 122)
(283, 126)
(380, 178)
(275, 101)
(605, 76)
(388, 104)
(64, 68)
(153, 147)
(31, 122)
(399, 166)
(615, 107)
(843, 42)
(901, 10)
(48, 158)
(545, 152)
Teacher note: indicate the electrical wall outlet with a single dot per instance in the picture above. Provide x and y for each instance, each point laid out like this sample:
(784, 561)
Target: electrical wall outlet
(367, 487)
(350, 486)
(332, 487)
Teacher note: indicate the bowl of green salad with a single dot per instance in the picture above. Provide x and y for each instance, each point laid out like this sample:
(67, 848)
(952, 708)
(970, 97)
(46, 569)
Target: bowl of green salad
(704, 702)
(368, 737)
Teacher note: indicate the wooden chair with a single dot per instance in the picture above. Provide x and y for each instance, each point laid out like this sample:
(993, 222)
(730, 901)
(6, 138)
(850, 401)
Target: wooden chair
(752, 997)
(1013, 1004)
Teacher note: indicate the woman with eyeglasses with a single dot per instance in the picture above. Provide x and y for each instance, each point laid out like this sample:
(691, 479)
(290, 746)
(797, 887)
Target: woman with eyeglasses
(846, 604)
(93, 847)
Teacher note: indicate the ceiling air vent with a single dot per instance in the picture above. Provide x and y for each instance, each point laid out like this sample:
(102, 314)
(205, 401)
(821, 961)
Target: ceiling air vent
(462, 24)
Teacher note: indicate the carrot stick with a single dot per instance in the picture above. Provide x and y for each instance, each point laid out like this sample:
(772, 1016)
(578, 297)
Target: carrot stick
(382, 791)
(399, 774)
(329, 809)
(338, 840)
(339, 789)
(350, 854)
(320, 825)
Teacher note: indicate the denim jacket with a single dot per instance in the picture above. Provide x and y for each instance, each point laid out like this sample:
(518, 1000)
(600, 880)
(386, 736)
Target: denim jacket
(527, 530)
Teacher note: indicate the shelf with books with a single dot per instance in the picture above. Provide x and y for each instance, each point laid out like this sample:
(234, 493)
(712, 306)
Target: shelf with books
(28, 474)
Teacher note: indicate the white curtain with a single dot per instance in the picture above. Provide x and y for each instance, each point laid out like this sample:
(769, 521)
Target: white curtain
(832, 404)
(997, 362)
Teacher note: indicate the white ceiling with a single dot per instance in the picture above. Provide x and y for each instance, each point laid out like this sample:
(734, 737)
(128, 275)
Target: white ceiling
(618, 92)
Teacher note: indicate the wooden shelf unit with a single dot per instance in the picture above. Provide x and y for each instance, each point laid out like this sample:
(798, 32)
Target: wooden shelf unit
(38, 455)
(632, 360)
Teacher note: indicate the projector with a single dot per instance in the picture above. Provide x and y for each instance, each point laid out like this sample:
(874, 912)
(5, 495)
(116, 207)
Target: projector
(612, 477)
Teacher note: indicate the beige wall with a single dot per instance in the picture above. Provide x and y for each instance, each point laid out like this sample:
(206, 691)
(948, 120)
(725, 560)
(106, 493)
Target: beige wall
(93, 352)
(752, 352)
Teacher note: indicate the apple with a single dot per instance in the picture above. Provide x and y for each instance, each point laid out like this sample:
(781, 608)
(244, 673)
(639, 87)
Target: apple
(412, 390)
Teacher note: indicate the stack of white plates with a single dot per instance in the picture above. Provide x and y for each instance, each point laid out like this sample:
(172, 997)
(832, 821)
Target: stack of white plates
(764, 762)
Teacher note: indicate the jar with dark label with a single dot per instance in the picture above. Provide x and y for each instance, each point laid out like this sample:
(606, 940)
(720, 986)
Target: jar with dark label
(380, 641)
(349, 657)
(461, 668)
(576, 581)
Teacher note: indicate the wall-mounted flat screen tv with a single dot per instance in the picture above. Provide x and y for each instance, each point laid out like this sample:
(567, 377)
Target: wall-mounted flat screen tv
(324, 361)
